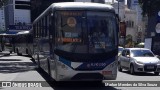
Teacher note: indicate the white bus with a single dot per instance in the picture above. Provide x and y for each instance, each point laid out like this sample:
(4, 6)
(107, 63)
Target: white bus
(22, 42)
(76, 41)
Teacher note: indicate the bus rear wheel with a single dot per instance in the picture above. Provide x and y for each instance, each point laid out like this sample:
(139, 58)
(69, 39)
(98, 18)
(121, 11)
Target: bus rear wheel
(27, 51)
(17, 51)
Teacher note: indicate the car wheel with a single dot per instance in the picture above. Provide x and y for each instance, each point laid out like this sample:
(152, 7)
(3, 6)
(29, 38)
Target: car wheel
(156, 73)
(119, 67)
(132, 69)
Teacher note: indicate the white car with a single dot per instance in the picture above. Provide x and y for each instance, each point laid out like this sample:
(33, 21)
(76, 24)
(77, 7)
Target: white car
(138, 60)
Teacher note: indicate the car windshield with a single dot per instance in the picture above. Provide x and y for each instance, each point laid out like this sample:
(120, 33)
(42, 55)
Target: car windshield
(141, 53)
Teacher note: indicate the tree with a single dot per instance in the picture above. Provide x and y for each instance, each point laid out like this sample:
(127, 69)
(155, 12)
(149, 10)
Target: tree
(129, 41)
(149, 7)
(2, 2)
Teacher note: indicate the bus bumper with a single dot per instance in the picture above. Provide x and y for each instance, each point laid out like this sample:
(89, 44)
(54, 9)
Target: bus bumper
(65, 73)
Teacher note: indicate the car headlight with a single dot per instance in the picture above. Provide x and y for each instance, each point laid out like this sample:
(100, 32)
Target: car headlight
(139, 62)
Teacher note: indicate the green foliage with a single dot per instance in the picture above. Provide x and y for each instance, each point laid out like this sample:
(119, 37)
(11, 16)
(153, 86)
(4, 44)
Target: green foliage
(128, 38)
(129, 42)
(2, 2)
(149, 7)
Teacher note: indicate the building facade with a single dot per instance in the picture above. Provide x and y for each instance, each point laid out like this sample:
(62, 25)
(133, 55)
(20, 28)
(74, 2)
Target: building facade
(2, 19)
(140, 20)
(17, 15)
(130, 19)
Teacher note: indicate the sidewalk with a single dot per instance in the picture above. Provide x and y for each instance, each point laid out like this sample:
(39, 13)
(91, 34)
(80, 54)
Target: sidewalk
(18, 70)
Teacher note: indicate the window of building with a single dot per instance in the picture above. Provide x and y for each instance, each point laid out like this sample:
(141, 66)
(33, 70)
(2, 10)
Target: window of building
(130, 23)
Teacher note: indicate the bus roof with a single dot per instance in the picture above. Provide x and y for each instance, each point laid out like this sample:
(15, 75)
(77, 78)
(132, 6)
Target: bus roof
(81, 5)
(78, 6)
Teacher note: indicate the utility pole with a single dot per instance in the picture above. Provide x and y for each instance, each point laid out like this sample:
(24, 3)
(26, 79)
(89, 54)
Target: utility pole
(118, 7)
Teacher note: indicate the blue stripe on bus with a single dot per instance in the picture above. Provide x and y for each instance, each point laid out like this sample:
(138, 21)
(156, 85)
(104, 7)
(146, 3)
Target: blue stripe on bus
(67, 62)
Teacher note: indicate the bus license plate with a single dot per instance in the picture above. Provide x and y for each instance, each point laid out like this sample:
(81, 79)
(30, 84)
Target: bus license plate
(106, 72)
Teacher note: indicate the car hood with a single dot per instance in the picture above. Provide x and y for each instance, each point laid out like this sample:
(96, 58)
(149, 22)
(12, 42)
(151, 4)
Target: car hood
(147, 59)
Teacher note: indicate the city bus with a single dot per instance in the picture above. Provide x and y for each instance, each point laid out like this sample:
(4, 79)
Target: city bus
(22, 42)
(76, 41)
(17, 42)
(6, 42)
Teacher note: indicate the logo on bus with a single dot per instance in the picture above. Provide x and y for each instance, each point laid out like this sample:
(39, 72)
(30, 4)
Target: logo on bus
(71, 21)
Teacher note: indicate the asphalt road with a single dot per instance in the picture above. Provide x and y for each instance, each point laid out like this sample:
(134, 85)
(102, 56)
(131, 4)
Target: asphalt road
(18, 68)
(139, 78)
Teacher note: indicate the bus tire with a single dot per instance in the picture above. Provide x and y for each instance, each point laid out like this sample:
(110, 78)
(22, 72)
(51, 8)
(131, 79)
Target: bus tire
(38, 62)
(26, 51)
(18, 52)
(29, 53)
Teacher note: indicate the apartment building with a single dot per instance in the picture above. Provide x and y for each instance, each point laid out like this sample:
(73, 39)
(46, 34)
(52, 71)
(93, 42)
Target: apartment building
(17, 15)
(140, 22)
(2, 19)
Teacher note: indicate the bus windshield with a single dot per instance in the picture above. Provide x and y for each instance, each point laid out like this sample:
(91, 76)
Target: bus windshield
(86, 31)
